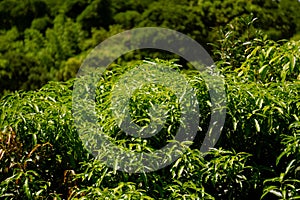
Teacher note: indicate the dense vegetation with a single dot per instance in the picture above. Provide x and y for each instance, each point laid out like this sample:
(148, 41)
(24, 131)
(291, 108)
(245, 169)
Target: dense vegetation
(256, 47)
(47, 40)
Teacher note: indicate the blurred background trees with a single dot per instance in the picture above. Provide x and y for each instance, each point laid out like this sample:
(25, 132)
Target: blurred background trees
(39, 37)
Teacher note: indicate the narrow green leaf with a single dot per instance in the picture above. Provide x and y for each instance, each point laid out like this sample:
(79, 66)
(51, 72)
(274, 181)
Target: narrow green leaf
(257, 125)
(180, 171)
(278, 194)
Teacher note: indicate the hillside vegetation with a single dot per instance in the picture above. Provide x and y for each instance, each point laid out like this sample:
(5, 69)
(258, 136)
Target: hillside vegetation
(255, 45)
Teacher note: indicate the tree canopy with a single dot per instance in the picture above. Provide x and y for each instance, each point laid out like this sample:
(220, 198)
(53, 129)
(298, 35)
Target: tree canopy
(46, 33)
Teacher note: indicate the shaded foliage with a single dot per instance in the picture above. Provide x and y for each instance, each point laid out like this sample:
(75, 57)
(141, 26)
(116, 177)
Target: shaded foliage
(257, 155)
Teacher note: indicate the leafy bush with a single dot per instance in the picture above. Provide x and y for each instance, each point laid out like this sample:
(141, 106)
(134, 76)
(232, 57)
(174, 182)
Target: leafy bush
(42, 155)
(39, 141)
(47, 158)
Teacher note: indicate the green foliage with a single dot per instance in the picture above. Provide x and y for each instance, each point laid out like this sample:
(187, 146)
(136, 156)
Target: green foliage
(248, 54)
(272, 62)
(73, 8)
(287, 184)
(257, 155)
(40, 57)
(45, 144)
(232, 41)
(177, 16)
(128, 19)
(33, 163)
(41, 24)
(279, 19)
(21, 15)
(21, 175)
(72, 28)
(96, 14)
